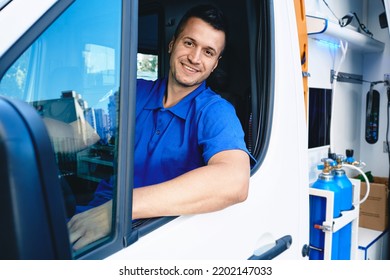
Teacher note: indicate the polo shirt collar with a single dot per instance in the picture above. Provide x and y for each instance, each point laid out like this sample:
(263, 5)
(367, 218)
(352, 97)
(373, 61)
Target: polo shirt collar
(180, 109)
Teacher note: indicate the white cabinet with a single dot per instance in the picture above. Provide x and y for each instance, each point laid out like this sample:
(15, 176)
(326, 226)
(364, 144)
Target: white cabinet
(372, 244)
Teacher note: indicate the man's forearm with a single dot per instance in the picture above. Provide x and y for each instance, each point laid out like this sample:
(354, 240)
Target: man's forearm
(223, 182)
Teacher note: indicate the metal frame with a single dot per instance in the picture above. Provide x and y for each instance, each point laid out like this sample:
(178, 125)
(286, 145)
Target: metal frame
(332, 225)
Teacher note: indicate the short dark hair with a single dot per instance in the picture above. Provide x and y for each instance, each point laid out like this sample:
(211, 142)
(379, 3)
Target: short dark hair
(208, 13)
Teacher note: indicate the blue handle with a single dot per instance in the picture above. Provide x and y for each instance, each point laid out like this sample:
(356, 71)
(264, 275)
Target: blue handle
(281, 245)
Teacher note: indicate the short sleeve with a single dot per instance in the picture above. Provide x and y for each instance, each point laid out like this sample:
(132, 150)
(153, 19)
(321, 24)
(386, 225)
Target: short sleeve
(219, 129)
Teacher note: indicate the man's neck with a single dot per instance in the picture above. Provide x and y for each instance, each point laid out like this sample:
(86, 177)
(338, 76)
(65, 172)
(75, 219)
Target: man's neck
(175, 93)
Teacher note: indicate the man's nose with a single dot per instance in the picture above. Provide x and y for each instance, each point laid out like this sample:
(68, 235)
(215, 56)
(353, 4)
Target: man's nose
(195, 55)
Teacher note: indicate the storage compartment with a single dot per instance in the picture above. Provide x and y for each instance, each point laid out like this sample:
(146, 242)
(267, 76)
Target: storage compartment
(372, 244)
(374, 211)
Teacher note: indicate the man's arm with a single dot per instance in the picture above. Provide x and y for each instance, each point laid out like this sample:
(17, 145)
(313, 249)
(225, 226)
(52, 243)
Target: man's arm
(223, 182)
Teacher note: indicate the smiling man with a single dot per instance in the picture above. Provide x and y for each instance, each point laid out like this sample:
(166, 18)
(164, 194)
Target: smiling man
(189, 156)
(195, 53)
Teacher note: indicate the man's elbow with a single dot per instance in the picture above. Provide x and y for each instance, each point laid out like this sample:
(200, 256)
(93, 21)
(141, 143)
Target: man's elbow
(243, 191)
(235, 166)
(241, 182)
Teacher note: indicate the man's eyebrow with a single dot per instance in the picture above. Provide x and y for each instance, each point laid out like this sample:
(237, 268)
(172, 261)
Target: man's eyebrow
(212, 49)
(193, 40)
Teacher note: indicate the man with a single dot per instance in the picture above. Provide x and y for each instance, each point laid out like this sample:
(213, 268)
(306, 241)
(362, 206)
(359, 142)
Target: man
(190, 156)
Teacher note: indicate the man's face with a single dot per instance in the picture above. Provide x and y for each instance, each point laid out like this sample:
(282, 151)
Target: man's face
(195, 53)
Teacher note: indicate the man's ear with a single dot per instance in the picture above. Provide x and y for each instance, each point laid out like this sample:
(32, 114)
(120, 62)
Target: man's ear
(216, 64)
(170, 46)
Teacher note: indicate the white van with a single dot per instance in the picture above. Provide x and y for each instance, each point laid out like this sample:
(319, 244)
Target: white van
(68, 70)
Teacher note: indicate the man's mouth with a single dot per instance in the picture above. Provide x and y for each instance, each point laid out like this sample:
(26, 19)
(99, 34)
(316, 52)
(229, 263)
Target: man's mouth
(190, 69)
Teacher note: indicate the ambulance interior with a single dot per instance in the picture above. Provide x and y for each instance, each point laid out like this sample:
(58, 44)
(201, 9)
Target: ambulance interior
(349, 103)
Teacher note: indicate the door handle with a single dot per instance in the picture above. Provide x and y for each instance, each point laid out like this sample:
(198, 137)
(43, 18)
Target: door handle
(280, 245)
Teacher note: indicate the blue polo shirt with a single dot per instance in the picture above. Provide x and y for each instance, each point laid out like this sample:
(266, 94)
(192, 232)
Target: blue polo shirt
(172, 141)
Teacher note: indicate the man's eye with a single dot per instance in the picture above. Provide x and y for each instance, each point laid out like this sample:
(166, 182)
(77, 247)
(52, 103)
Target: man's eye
(188, 43)
(209, 53)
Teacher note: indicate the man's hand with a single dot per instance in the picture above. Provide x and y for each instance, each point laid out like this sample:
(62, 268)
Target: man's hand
(90, 225)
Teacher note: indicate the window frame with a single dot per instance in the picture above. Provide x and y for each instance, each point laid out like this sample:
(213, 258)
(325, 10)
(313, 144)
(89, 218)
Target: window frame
(262, 48)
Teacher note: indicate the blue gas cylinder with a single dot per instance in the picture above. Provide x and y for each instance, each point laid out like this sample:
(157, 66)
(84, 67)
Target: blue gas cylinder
(346, 187)
(325, 181)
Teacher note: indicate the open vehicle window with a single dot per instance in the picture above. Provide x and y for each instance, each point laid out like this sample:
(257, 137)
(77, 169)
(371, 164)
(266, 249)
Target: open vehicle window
(244, 72)
(71, 76)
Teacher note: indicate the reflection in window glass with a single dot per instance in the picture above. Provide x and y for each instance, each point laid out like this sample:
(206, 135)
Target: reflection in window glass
(100, 62)
(70, 75)
(14, 81)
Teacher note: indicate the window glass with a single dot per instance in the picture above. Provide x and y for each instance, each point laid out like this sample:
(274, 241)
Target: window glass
(70, 74)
